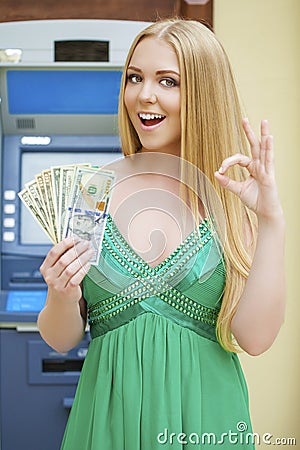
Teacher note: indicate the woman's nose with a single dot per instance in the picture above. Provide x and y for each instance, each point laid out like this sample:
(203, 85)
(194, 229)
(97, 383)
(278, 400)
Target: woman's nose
(147, 93)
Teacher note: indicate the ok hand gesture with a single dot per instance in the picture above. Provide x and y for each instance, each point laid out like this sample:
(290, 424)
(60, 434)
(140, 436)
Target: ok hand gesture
(258, 191)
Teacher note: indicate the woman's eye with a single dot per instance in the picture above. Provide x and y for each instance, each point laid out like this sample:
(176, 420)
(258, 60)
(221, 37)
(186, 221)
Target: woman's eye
(168, 82)
(134, 78)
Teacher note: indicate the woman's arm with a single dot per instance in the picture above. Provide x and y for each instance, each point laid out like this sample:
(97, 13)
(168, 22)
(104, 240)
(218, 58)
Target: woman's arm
(62, 321)
(260, 312)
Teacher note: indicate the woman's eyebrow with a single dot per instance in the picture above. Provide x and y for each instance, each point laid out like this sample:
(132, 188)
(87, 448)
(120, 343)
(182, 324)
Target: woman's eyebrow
(158, 72)
(161, 72)
(136, 69)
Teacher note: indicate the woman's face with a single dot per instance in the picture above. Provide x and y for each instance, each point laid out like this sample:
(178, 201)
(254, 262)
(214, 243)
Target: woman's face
(152, 96)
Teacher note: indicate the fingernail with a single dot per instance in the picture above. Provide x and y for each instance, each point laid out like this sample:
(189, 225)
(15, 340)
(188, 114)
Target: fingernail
(221, 170)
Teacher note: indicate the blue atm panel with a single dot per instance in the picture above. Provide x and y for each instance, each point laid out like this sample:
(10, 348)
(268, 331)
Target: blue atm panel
(63, 91)
(37, 389)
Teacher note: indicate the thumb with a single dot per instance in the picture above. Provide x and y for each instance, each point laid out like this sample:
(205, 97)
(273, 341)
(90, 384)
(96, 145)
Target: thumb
(228, 183)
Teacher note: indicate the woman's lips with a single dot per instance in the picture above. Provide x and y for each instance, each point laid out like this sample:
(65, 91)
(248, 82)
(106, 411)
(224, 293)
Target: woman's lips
(151, 119)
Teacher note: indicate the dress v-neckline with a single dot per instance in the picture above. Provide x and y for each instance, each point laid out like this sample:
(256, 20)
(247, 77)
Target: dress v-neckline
(202, 228)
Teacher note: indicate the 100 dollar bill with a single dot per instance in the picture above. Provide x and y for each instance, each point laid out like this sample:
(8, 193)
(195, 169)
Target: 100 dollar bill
(88, 206)
(70, 200)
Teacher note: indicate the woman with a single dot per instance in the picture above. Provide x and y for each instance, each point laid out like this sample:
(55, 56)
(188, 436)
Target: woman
(192, 260)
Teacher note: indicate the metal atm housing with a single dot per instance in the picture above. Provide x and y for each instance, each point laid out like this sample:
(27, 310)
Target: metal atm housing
(59, 86)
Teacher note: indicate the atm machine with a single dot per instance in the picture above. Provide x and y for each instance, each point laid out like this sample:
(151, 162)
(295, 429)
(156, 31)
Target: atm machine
(59, 86)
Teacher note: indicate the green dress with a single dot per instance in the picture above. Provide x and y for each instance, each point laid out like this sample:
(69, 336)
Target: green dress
(155, 376)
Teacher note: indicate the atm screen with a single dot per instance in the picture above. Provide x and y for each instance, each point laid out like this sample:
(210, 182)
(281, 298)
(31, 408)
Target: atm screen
(33, 163)
(63, 91)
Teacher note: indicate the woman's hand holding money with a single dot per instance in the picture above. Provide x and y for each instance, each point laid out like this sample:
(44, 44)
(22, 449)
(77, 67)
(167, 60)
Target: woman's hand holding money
(62, 321)
(65, 267)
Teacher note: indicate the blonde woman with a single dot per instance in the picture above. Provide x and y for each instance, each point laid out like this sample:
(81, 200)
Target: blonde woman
(191, 268)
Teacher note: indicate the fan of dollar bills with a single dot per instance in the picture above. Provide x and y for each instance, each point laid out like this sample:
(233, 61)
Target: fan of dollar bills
(71, 200)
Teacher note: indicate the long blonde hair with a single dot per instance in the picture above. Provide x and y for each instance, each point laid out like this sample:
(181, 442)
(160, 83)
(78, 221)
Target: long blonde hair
(211, 130)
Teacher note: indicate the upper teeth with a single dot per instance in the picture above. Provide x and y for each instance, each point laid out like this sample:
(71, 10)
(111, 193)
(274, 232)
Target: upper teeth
(150, 116)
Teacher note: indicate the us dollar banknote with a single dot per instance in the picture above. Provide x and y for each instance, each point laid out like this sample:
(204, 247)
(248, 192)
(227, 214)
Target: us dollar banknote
(28, 201)
(71, 200)
(88, 206)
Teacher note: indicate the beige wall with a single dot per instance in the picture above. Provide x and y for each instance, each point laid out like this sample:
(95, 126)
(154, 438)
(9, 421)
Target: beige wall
(262, 38)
